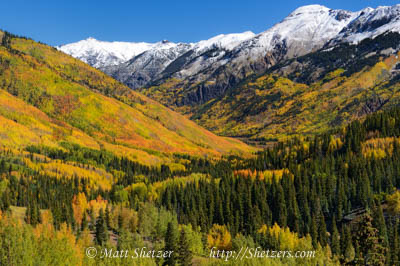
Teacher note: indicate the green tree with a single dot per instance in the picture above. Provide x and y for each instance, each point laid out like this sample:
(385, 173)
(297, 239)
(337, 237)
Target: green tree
(84, 224)
(101, 236)
(32, 214)
(371, 248)
(185, 255)
(171, 244)
(335, 242)
(108, 218)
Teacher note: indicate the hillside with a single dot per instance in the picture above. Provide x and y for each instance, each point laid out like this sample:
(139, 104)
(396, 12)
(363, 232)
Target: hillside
(48, 98)
(186, 76)
(305, 95)
(93, 172)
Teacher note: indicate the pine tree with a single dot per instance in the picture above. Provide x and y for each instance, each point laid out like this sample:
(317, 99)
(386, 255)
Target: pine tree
(281, 205)
(84, 224)
(335, 242)
(101, 229)
(171, 241)
(92, 219)
(371, 249)
(314, 233)
(348, 248)
(120, 222)
(5, 200)
(394, 247)
(32, 214)
(108, 218)
(322, 232)
(379, 222)
(185, 255)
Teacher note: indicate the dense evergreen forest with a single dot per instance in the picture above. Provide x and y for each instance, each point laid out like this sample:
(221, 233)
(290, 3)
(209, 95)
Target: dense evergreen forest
(335, 193)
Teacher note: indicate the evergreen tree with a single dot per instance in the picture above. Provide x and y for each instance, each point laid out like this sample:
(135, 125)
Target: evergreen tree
(32, 214)
(185, 255)
(335, 242)
(84, 224)
(394, 247)
(171, 244)
(101, 236)
(322, 232)
(92, 219)
(120, 222)
(314, 233)
(108, 218)
(349, 251)
(371, 249)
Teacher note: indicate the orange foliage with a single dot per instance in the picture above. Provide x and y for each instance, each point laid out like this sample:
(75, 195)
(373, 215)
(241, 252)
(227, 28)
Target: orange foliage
(267, 175)
(64, 105)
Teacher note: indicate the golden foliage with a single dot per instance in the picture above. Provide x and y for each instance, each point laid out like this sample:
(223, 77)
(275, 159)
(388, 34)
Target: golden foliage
(219, 237)
(79, 206)
(268, 175)
(393, 202)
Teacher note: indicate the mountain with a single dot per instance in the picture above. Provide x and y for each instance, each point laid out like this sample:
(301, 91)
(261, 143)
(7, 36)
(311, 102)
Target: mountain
(205, 70)
(310, 94)
(203, 81)
(102, 54)
(370, 23)
(137, 64)
(49, 98)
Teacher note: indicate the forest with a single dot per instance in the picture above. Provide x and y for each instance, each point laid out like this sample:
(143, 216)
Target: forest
(335, 193)
(86, 162)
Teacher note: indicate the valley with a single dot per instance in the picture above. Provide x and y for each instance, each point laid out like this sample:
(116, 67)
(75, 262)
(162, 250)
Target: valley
(285, 141)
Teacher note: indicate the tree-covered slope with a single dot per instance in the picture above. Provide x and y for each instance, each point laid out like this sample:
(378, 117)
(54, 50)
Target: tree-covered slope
(48, 97)
(306, 95)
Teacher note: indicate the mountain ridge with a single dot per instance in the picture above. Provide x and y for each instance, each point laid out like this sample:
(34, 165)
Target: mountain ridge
(214, 68)
(79, 104)
(296, 51)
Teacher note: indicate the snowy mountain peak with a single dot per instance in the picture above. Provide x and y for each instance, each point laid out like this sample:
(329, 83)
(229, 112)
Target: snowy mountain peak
(103, 54)
(370, 23)
(100, 53)
(226, 41)
(306, 29)
(309, 9)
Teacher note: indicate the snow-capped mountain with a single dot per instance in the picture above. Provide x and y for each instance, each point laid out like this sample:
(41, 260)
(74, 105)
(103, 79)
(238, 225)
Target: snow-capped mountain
(225, 41)
(101, 54)
(305, 29)
(370, 23)
(208, 68)
(154, 63)
(135, 64)
(143, 68)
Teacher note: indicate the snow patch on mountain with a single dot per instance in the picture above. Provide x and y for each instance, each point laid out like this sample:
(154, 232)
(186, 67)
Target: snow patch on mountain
(226, 41)
(227, 58)
(100, 54)
(370, 23)
(305, 29)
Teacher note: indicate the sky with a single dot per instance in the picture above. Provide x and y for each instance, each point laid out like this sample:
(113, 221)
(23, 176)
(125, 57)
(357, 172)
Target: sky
(61, 22)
